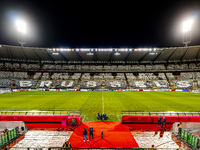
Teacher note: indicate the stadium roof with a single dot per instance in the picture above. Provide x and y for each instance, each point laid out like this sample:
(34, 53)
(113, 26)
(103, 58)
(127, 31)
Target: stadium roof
(99, 55)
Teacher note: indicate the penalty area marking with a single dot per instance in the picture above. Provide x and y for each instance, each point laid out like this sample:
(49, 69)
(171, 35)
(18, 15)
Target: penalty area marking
(102, 103)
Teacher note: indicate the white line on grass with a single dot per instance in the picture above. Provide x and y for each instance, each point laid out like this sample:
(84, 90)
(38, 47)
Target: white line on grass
(84, 117)
(118, 117)
(102, 103)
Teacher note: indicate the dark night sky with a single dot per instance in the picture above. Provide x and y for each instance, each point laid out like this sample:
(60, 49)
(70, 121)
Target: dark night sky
(99, 24)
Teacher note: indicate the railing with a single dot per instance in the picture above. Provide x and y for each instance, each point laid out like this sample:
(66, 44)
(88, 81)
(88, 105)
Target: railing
(189, 137)
(8, 136)
(35, 112)
(163, 113)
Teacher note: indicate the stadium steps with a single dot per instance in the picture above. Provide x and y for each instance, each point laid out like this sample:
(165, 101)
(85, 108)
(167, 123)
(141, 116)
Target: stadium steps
(195, 85)
(172, 84)
(38, 84)
(115, 77)
(55, 83)
(137, 78)
(103, 84)
(151, 83)
(91, 77)
(177, 77)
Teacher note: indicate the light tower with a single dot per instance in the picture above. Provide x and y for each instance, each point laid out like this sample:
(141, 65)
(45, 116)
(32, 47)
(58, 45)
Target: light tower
(21, 28)
(187, 27)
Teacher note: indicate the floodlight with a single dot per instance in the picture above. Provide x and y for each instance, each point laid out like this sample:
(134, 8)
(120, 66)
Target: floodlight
(21, 26)
(187, 25)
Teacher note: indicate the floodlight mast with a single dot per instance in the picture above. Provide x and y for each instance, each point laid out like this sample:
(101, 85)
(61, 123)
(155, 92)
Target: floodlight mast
(187, 27)
(21, 28)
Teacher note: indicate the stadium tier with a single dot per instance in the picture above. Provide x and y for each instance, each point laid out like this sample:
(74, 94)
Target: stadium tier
(160, 68)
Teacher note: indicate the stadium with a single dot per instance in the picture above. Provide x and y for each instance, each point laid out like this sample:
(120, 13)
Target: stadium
(97, 97)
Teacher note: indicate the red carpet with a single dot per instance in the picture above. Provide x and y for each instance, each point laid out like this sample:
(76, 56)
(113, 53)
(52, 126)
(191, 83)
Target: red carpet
(115, 135)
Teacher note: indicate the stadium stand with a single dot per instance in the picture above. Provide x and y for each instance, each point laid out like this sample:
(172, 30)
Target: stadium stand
(151, 76)
(91, 85)
(37, 75)
(138, 67)
(98, 76)
(142, 76)
(1, 65)
(130, 76)
(86, 76)
(187, 75)
(170, 76)
(120, 76)
(5, 83)
(161, 76)
(25, 84)
(162, 84)
(76, 76)
(198, 84)
(46, 84)
(140, 84)
(66, 84)
(6, 75)
(108, 76)
(20, 75)
(49, 67)
(183, 84)
(115, 84)
(45, 76)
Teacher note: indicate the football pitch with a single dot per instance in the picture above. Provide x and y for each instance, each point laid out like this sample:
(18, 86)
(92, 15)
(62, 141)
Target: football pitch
(92, 103)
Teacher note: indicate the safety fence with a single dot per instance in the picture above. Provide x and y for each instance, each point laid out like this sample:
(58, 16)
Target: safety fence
(8, 136)
(189, 137)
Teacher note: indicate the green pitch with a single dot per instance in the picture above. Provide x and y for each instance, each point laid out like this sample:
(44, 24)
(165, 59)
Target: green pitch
(91, 103)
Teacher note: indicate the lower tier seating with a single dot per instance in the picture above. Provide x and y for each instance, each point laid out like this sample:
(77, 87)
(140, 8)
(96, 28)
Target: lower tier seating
(46, 84)
(140, 84)
(162, 84)
(116, 85)
(183, 84)
(66, 84)
(5, 83)
(25, 84)
(91, 85)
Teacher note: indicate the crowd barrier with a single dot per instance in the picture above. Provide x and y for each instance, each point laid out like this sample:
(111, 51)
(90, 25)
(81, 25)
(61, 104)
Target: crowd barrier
(44, 121)
(8, 136)
(189, 137)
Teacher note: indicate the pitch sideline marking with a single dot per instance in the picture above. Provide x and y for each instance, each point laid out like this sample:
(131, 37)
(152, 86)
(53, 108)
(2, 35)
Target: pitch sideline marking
(84, 117)
(102, 103)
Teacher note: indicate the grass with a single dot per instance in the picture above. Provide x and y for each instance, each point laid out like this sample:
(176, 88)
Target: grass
(91, 103)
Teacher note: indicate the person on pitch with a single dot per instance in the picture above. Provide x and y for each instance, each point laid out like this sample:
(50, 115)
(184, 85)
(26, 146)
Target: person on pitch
(91, 133)
(159, 121)
(164, 122)
(85, 134)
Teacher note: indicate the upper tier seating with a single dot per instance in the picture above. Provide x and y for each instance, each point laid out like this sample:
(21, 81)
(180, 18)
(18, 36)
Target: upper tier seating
(99, 67)
(115, 84)
(6, 75)
(193, 66)
(140, 84)
(46, 84)
(177, 67)
(130, 76)
(66, 84)
(138, 67)
(25, 83)
(8, 65)
(76, 76)
(5, 83)
(20, 75)
(86, 76)
(90, 85)
(68, 67)
(162, 84)
(183, 84)
(121, 67)
(159, 67)
(49, 67)
(161, 76)
(30, 66)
